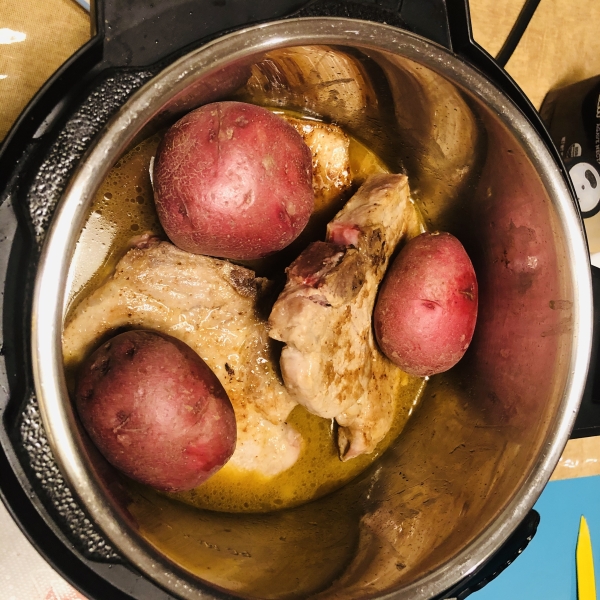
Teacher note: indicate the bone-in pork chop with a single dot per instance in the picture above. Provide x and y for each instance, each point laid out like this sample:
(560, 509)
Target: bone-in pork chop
(211, 305)
(331, 364)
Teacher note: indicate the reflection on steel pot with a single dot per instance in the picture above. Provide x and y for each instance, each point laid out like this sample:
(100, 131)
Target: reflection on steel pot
(483, 443)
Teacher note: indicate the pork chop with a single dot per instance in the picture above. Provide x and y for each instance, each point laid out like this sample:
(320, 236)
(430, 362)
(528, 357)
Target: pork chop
(213, 306)
(330, 363)
(330, 148)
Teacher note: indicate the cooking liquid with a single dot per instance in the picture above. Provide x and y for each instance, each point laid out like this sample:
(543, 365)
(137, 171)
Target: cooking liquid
(124, 208)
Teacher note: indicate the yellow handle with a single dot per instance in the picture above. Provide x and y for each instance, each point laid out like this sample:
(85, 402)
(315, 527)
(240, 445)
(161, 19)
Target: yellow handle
(586, 582)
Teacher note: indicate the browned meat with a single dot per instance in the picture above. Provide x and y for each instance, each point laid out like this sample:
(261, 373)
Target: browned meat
(330, 363)
(330, 148)
(212, 306)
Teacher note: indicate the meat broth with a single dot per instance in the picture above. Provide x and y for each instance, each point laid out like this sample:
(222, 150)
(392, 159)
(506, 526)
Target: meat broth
(124, 208)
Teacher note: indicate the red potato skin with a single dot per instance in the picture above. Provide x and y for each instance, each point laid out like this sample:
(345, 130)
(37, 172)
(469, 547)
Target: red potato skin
(426, 310)
(155, 410)
(233, 180)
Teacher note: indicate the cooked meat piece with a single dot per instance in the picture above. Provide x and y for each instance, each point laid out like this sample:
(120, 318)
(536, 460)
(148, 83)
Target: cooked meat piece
(211, 305)
(330, 363)
(330, 159)
(367, 421)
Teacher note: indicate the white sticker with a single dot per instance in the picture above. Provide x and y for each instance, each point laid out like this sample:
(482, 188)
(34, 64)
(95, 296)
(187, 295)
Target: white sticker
(586, 181)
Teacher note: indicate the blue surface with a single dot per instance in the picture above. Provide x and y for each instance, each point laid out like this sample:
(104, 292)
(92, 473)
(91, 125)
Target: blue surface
(546, 570)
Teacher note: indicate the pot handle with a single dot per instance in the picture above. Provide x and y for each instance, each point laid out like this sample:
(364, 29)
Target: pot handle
(587, 423)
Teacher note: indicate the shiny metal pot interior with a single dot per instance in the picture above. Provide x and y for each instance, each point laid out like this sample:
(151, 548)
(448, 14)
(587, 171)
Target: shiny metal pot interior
(477, 453)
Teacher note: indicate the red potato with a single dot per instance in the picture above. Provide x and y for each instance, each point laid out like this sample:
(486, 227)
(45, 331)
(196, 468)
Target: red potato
(233, 180)
(155, 410)
(426, 310)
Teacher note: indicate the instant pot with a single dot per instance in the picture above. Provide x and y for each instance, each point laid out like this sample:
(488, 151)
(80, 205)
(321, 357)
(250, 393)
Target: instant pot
(450, 504)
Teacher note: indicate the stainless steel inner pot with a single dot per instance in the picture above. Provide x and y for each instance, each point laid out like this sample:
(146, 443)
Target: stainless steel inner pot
(482, 445)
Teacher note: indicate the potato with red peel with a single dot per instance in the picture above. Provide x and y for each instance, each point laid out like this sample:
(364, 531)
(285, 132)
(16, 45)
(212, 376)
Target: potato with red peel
(426, 310)
(155, 410)
(233, 180)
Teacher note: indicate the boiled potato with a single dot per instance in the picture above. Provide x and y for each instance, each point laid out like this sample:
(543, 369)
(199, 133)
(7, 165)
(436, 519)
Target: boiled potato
(155, 410)
(233, 180)
(426, 310)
